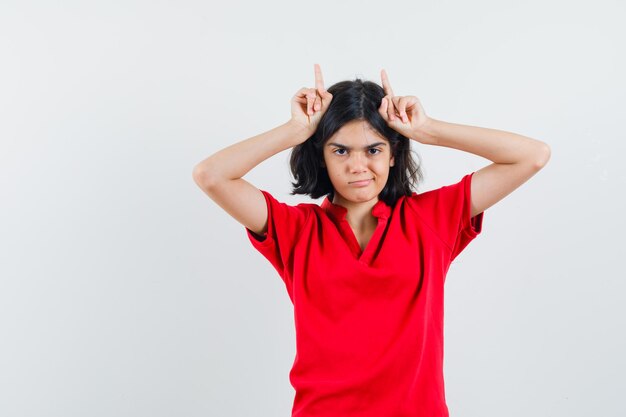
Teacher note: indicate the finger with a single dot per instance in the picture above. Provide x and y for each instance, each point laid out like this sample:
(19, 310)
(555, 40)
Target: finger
(386, 84)
(319, 80)
(396, 103)
(325, 97)
(301, 92)
(402, 108)
(317, 105)
(310, 100)
(301, 95)
(383, 108)
(391, 109)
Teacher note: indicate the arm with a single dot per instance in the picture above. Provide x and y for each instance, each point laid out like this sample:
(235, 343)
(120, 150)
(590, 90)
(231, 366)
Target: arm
(219, 175)
(235, 161)
(515, 158)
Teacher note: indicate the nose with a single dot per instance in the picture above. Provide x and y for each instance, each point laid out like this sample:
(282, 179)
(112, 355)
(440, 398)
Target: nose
(357, 162)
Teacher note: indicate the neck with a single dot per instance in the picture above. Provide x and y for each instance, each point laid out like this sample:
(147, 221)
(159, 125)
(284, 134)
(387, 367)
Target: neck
(359, 215)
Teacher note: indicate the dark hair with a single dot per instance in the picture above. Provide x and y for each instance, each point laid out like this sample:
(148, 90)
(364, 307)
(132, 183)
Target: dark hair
(353, 100)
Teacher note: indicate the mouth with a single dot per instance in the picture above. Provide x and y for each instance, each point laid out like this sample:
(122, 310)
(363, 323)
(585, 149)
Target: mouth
(362, 182)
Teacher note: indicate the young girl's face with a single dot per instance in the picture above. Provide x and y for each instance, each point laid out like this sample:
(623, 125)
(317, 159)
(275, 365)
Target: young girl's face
(357, 152)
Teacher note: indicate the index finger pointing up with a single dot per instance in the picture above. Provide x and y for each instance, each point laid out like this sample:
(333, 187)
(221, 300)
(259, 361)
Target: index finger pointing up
(319, 80)
(386, 85)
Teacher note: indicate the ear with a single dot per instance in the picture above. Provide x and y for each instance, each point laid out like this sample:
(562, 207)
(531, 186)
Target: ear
(392, 161)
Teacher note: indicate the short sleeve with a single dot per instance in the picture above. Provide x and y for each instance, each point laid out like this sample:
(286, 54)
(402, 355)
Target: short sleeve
(448, 212)
(284, 224)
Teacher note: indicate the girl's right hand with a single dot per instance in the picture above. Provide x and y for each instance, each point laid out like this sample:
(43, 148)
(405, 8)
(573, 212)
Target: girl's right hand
(309, 104)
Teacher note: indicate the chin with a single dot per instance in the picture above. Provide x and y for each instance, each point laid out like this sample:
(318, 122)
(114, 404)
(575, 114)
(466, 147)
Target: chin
(362, 195)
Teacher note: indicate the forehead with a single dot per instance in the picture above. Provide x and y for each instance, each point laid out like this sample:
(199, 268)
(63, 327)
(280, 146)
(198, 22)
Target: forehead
(357, 132)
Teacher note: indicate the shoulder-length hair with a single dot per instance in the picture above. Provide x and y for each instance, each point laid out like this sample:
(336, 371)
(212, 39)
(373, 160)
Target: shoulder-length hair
(353, 100)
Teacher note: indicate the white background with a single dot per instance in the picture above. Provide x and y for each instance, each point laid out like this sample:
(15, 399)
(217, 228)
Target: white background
(126, 291)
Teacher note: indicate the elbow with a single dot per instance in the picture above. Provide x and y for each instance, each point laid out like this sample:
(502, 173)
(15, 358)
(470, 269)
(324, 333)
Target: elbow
(201, 176)
(542, 156)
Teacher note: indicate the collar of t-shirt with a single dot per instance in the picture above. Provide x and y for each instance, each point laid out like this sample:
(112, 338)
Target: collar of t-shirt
(338, 213)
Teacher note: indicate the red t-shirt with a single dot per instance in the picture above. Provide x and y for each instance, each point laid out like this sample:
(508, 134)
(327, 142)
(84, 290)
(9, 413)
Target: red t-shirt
(369, 324)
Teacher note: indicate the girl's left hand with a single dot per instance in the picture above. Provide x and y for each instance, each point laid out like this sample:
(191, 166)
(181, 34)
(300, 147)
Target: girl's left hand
(403, 114)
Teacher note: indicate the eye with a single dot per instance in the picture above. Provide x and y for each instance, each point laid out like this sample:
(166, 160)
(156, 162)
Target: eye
(376, 151)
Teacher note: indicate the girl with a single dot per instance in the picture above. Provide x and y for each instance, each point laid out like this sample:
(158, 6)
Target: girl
(365, 270)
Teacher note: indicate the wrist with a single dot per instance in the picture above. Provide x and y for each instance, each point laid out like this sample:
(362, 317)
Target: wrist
(298, 130)
(425, 133)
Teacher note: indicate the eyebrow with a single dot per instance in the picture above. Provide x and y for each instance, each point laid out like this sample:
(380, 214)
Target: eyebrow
(339, 145)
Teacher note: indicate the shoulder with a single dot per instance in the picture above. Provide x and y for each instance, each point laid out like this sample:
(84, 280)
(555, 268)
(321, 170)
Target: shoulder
(290, 214)
(419, 201)
(272, 199)
(446, 194)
